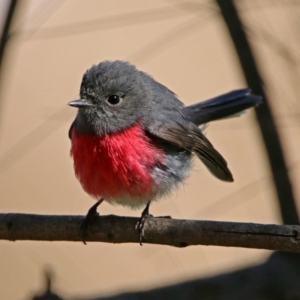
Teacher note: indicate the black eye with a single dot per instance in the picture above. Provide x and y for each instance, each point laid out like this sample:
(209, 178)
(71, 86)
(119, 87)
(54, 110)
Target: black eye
(114, 100)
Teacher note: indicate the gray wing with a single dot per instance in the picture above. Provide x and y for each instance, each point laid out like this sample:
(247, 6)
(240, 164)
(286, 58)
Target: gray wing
(191, 138)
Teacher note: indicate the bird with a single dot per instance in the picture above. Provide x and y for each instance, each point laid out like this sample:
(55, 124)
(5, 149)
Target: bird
(133, 141)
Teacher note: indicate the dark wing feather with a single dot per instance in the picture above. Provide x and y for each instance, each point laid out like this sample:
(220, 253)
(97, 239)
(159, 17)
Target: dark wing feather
(70, 130)
(191, 138)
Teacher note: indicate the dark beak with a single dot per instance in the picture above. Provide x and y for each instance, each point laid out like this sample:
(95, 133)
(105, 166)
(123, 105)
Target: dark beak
(81, 103)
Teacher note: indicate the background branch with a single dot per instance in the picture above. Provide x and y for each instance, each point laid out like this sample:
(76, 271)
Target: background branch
(172, 232)
(5, 32)
(282, 184)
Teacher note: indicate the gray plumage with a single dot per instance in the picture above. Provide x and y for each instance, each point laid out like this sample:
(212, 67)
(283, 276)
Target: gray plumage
(163, 117)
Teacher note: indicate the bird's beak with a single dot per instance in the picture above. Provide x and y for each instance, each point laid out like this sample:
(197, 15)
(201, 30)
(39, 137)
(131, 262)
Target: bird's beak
(81, 103)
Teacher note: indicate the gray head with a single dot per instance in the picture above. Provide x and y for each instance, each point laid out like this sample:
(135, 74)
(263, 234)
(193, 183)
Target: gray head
(114, 95)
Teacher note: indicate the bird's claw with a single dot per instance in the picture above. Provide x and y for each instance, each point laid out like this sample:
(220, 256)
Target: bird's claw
(88, 220)
(140, 226)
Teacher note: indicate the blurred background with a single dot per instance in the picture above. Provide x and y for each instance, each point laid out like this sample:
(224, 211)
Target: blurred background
(185, 46)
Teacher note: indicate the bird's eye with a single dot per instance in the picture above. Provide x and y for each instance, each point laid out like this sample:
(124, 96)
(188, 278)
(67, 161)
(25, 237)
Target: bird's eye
(114, 100)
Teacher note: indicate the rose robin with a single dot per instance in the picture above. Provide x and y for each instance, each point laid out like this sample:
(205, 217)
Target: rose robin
(133, 140)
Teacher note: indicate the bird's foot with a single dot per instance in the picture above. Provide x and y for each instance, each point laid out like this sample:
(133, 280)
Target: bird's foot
(88, 220)
(140, 225)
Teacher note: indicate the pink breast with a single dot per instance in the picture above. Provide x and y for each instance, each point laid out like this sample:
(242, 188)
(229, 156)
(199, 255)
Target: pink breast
(114, 165)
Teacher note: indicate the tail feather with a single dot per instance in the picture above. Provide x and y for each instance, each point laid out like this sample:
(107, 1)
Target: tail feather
(226, 105)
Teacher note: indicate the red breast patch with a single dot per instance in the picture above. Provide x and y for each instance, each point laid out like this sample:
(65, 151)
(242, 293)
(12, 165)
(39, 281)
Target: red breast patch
(115, 165)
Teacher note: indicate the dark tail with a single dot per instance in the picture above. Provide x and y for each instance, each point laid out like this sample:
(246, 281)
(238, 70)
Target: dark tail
(222, 106)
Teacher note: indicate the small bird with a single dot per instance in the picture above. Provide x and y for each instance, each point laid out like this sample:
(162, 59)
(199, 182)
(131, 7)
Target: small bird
(133, 140)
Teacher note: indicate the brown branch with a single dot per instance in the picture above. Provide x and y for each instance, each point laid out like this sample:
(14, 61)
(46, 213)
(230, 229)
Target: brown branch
(172, 232)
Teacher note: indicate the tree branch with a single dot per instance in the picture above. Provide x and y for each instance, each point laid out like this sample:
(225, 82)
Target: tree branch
(172, 232)
(282, 183)
(5, 32)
